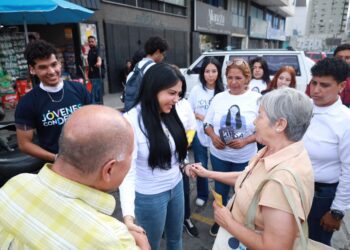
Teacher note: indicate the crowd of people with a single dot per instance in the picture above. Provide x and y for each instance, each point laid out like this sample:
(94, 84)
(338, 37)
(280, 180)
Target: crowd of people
(284, 153)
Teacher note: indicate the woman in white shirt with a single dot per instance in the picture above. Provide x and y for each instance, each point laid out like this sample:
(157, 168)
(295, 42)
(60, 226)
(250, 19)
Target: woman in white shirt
(284, 77)
(229, 124)
(200, 98)
(159, 149)
(260, 74)
(327, 141)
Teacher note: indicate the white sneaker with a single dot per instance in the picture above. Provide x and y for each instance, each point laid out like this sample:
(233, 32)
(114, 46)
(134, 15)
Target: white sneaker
(200, 202)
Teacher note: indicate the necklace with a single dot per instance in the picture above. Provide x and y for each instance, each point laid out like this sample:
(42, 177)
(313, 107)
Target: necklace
(56, 100)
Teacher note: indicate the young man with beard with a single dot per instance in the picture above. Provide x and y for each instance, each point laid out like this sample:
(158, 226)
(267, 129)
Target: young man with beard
(47, 107)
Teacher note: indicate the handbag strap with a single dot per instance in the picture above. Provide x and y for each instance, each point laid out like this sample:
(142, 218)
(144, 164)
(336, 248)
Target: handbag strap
(303, 229)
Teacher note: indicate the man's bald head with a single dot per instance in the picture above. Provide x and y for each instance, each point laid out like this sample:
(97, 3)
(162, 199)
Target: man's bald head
(92, 136)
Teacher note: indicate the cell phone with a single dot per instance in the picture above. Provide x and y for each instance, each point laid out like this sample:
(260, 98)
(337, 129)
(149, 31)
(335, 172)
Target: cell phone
(217, 197)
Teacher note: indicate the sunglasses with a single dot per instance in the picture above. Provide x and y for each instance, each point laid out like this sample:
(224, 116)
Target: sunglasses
(237, 62)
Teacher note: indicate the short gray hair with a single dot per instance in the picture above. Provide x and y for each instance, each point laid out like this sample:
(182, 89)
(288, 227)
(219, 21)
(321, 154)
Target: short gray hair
(292, 105)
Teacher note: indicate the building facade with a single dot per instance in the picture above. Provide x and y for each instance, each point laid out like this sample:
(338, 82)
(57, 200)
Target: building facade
(238, 24)
(324, 28)
(125, 25)
(327, 17)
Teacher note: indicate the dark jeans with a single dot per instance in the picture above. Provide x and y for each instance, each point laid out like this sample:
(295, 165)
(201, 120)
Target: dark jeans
(201, 155)
(96, 91)
(186, 182)
(225, 166)
(323, 198)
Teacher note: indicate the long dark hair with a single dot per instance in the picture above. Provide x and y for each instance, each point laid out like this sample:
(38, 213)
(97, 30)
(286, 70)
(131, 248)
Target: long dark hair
(264, 66)
(159, 77)
(219, 86)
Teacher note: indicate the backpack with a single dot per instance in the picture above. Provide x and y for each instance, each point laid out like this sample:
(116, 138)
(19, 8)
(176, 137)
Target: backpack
(132, 86)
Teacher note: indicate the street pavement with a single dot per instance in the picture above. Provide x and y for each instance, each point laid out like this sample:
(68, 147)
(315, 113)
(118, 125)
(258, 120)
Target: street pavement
(202, 217)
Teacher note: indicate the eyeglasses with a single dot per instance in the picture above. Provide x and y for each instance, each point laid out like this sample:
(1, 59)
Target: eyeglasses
(238, 62)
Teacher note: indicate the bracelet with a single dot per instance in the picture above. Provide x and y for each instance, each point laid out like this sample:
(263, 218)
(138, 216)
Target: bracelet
(56, 156)
(183, 167)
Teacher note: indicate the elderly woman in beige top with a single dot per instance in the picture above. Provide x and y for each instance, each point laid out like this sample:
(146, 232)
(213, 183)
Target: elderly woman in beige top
(284, 116)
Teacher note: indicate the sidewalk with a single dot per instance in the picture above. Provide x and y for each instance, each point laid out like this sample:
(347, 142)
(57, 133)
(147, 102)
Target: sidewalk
(113, 100)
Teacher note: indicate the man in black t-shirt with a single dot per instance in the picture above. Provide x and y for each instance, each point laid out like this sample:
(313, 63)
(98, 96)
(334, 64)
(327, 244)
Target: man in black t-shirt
(48, 105)
(95, 67)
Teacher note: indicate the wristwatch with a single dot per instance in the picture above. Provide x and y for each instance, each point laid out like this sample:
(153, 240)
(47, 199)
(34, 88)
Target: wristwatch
(206, 125)
(337, 214)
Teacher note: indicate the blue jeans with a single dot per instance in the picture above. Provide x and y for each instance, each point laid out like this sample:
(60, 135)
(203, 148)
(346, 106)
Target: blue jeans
(321, 204)
(96, 91)
(225, 166)
(163, 212)
(201, 155)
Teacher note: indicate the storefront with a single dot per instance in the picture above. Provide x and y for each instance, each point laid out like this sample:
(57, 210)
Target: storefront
(69, 41)
(123, 34)
(211, 28)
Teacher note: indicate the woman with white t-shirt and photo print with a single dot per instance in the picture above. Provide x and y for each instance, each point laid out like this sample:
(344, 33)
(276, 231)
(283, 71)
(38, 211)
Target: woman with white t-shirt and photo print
(229, 125)
(200, 98)
(260, 75)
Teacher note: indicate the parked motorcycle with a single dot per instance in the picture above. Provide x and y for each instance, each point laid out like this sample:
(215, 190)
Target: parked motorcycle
(12, 160)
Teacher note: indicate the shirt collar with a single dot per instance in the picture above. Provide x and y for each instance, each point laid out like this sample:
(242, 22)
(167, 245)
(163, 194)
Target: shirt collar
(51, 89)
(101, 201)
(332, 109)
(282, 155)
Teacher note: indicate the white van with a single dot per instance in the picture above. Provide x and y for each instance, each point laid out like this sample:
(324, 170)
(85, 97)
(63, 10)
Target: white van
(275, 59)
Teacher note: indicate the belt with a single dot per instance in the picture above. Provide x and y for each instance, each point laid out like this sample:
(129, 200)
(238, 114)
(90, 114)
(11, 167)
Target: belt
(318, 184)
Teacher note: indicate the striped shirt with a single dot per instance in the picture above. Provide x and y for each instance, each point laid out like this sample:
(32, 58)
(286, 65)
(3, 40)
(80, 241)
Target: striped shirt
(48, 211)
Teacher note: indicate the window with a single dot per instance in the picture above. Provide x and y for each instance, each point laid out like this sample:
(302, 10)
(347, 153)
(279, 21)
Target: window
(274, 61)
(246, 58)
(216, 3)
(196, 69)
(256, 12)
(275, 22)
(282, 24)
(167, 6)
(238, 9)
(277, 61)
(269, 18)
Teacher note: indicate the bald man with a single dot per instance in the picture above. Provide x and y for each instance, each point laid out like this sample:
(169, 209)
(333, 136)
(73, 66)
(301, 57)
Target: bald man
(67, 205)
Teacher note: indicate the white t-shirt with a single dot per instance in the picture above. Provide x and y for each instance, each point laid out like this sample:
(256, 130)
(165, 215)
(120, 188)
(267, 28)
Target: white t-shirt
(200, 100)
(186, 115)
(140, 65)
(217, 114)
(257, 85)
(141, 178)
(327, 141)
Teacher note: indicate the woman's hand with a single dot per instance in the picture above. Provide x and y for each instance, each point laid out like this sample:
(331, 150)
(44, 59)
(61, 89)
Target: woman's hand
(188, 170)
(199, 170)
(237, 143)
(217, 142)
(222, 215)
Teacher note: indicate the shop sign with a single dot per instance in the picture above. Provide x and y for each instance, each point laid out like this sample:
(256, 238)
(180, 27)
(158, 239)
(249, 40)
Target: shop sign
(212, 20)
(257, 28)
(275, 34)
